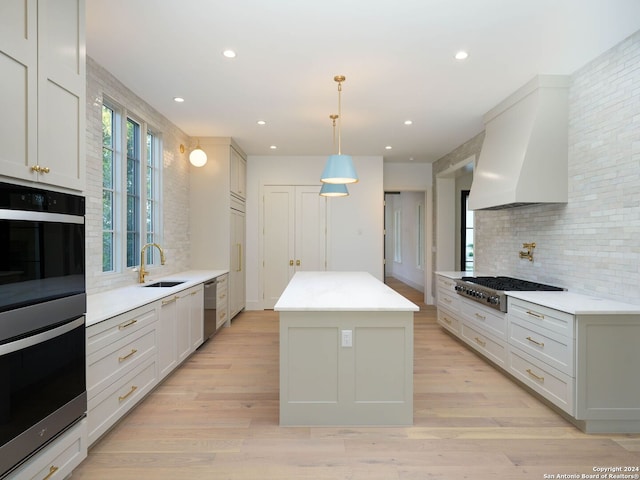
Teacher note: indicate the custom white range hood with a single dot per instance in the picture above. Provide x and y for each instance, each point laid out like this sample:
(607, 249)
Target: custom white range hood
(524, 155)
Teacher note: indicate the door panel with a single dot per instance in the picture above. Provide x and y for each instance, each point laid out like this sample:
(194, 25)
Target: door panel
(294, 236)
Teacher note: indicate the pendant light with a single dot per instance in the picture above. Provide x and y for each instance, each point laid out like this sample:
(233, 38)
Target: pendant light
(198, 157)
(339, 168)
(334, 189)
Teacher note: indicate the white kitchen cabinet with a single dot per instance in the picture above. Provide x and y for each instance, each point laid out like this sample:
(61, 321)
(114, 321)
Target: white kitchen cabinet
(237, 174)
(222, 300)
(237, 276)
(294, 235)
(42, 64)
(180, 329)
(121, 366)
(217, 193)
(58, 459)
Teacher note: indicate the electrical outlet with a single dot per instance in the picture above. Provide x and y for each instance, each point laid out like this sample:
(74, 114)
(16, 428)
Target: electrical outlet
(347, 338)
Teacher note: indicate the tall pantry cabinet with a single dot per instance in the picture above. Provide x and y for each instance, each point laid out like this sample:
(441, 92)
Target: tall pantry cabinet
(217, 214)
(43, 72)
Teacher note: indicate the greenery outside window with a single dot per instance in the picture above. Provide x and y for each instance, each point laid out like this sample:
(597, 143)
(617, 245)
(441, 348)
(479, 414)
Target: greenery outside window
(131, 166)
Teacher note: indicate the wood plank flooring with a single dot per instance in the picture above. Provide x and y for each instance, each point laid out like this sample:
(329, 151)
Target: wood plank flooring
(216, 417)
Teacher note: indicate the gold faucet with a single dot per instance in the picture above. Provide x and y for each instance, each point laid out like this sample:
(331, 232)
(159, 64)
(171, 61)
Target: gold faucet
(142, 271)
(528, 254)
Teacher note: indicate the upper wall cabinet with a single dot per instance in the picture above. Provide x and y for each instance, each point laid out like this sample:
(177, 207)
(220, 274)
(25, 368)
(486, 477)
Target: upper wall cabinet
(42, 64)
(238, 174)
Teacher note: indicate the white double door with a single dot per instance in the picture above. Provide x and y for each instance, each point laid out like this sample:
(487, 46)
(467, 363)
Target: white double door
(294, 235)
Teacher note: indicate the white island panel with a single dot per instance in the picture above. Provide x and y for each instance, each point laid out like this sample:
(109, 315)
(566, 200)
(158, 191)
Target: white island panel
(346, 351)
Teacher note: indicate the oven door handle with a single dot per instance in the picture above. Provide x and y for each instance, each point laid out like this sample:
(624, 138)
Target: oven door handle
(41, 337)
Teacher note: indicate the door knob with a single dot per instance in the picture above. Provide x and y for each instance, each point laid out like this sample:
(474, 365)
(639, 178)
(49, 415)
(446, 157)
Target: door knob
(291, 263)
(297, 263)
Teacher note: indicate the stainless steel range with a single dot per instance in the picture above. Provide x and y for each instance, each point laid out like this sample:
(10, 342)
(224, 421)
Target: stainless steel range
(490, 291)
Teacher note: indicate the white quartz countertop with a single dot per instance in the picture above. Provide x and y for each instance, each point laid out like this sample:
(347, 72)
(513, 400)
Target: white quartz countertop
(104, 305)
(340, 291)
(577, 304)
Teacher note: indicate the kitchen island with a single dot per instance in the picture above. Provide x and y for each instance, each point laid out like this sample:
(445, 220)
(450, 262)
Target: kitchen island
(346, 351)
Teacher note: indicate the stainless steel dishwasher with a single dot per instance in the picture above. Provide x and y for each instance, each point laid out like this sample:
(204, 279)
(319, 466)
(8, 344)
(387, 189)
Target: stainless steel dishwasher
(210, 300)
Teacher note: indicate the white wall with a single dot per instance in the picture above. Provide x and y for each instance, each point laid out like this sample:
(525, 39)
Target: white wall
(355, 223)
(407, 177)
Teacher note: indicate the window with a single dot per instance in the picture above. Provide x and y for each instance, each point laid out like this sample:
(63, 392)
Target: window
(131, 153)
(466, 233)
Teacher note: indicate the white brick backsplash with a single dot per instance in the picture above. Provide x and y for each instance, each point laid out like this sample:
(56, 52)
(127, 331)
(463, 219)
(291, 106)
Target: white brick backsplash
(175, 182)
(590, 245)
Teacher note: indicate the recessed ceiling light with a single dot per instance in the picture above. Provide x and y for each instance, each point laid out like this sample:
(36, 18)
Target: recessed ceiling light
(408, 122)
(261, 122)
(388, 147)
(178, 99)
(461, 55)
(411, 159)
(229, 54)
(273, 147)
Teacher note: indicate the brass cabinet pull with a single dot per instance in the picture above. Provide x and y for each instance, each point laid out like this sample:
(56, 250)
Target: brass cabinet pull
(39, 169)
(540, 379)
(540, 344)
(193, 293)
(52, 469)
(291, 263)
(171, 300)
(126, 395)
(133, 352)
(480, 342)
(122, 326)
(481, 317)
(223, 314)
(447, 321)
(533, 314)
(297, 263)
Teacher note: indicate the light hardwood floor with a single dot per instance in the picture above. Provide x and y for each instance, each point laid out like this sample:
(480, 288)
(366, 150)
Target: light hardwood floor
(216, 417)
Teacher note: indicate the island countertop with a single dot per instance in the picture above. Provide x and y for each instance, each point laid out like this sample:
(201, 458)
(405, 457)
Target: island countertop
(341, 291)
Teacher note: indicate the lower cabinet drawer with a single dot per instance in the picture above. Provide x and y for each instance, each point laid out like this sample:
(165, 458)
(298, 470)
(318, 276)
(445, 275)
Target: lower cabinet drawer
(110, 363)
(448, 321)
(555, 386)
(492, 321)
(106, 408)
(59, 458)
(492, 348)
(550, 347)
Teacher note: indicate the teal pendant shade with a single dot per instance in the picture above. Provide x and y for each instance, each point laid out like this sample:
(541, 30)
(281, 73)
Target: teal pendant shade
(339, 169)
(334, 190)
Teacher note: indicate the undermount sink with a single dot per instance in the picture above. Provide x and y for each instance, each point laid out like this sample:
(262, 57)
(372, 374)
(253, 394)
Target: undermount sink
(165, 284)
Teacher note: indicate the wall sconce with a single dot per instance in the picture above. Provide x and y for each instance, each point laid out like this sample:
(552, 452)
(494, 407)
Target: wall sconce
(528, 253)
(197, 157)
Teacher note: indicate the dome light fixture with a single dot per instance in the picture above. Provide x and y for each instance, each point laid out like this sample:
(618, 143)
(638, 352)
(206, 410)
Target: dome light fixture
(339, 168)
(334, 189)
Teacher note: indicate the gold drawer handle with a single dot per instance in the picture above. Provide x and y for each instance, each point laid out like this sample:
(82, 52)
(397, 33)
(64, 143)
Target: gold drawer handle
(39, 169)
(480, 342)
(224, 295)
(540, 344)
(445, 299)
(194, 293)
(52, 469)
(167, 302)
(540, 379)
(481, 317)
(537, 315)
(126, 395)
(122, 326)
(133, 352)
(447, 320)
(223, 314)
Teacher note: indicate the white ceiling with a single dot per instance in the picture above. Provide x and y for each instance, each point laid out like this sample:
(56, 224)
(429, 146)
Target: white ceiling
(397, 56)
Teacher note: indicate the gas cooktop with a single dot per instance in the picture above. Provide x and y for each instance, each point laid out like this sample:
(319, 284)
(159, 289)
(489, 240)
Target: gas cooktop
(491, 290)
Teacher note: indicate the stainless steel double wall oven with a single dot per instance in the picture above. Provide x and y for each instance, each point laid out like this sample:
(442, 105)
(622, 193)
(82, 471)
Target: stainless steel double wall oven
(42, 323)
